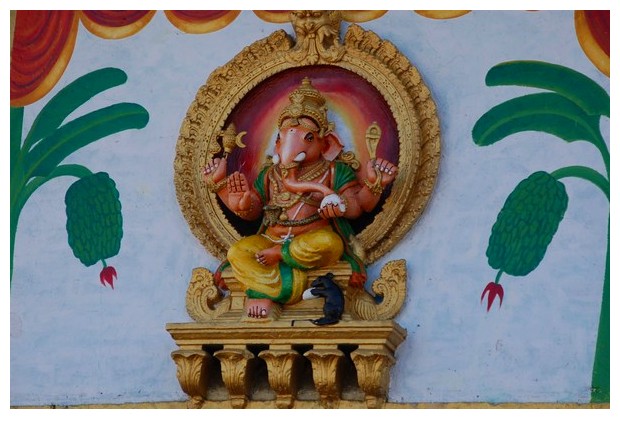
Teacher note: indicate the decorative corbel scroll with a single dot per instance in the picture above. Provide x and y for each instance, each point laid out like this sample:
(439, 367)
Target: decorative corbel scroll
(391, 286)
(203, 300)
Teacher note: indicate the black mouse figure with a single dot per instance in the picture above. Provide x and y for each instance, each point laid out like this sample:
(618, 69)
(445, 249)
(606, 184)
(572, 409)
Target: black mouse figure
(326, 287)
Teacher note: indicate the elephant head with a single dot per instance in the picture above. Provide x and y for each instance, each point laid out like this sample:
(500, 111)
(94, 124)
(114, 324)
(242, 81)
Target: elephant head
(305, 136)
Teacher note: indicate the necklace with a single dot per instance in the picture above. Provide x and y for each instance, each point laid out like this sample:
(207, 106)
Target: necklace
(313, 171)
(282, 198)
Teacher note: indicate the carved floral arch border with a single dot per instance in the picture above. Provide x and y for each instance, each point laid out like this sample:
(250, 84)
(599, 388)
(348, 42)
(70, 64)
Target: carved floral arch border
(363, 53)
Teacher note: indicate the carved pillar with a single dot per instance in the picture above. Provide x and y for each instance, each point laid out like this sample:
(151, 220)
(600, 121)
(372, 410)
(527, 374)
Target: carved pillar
(282, 365)
(234, 361)
(325, 372)
(373, 374)
(192, 374)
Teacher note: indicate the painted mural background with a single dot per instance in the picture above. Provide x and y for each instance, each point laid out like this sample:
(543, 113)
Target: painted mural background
(75, 342)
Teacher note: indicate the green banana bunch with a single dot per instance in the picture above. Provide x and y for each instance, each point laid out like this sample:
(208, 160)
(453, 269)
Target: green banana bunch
(94, 221)
(526, 224)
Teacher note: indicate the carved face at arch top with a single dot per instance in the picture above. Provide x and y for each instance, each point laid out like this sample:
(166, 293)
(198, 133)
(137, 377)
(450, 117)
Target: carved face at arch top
(364, 80)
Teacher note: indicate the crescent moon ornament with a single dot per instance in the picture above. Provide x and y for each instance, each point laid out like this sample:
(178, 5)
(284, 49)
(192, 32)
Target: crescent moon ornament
(238, 141)
(230, 139)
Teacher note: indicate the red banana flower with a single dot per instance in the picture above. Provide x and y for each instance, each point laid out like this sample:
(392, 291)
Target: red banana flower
(107, 275)
(494, 289)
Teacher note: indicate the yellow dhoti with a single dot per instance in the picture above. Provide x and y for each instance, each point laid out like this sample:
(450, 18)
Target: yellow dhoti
(285, 281)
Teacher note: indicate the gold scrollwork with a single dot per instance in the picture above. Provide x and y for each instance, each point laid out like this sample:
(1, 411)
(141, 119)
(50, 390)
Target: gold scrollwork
(391, 286)
(203, 295)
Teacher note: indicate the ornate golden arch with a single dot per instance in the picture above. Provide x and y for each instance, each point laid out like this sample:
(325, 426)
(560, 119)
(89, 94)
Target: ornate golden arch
(318, 43)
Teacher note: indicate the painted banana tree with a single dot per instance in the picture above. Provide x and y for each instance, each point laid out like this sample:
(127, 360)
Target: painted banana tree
(570, 108)
(94, 220)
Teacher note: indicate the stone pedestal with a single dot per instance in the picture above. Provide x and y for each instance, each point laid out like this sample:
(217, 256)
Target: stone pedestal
(218, 351)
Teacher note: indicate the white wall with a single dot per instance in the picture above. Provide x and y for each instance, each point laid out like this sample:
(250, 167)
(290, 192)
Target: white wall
(74, 341)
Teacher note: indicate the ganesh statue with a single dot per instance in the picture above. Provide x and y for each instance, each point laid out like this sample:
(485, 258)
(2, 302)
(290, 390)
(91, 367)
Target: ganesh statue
(305, 194)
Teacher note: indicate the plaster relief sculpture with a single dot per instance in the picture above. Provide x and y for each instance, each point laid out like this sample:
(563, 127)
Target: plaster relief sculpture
(304, 197)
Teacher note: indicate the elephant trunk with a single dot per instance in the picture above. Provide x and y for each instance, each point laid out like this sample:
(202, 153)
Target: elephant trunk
(289, 180)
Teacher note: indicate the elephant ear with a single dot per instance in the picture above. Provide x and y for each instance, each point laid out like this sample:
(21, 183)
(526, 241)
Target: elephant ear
(333, 147)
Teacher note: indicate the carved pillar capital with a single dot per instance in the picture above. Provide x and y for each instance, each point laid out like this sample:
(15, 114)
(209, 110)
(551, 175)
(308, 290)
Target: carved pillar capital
(373, 374)
(234, 361)
(325, 372)
(282, 373)
(192, 374)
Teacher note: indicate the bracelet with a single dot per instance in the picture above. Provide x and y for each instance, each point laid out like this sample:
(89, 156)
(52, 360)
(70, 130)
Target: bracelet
(376, 187)
(216, 187)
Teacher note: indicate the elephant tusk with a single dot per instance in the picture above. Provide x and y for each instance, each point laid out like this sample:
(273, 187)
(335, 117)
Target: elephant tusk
(300, 157)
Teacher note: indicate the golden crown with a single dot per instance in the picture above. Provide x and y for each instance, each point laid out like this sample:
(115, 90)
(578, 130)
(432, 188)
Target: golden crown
(307, 101)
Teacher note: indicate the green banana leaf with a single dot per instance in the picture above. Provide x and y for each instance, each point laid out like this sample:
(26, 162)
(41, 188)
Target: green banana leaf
(68, 99)
(578, 88)
(585, 173)
(547, 112)
(17, 120)
(73, 170)
(45, 156)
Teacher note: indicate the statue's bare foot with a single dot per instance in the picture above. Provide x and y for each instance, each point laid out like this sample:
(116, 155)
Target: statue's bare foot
(259, 308)
(270, 256)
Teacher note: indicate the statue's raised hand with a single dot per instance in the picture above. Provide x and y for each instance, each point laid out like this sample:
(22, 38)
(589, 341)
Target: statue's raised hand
(215, 169)
(381, 167)
(239, 193)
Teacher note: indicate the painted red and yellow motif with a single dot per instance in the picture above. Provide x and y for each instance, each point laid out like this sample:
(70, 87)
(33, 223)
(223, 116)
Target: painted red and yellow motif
(592, 28)
(282, 16)
(43, 41)
(115, 24)
(201, 21)
(442, 14)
